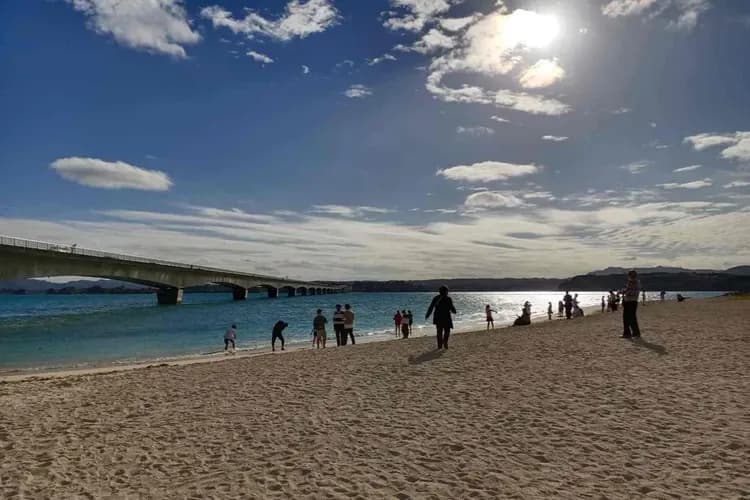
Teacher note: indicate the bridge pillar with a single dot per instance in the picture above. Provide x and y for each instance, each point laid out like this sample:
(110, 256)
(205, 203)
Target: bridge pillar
(302, 291)
(169, 296)
(273, 293)
(239, 293)
(292, 292)
(311, 291)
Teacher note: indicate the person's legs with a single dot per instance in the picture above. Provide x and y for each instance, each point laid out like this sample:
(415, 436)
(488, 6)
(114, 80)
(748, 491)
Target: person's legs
(226, 344)
(626, 319)
(337, 332)
(351, 335)
(439, 337)
(568, 312)
(273, 343)
(446, 334)
(634, 321)
(281, 337)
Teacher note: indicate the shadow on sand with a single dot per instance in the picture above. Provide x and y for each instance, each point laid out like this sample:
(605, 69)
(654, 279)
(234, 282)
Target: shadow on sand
(658, 349)
(425, 357)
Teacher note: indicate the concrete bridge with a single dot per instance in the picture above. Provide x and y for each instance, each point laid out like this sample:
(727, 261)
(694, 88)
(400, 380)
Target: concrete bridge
(20, 258)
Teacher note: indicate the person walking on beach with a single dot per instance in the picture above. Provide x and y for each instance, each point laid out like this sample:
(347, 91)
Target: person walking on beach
(278, 329)
(319, 325)
(404, 325)
(442, 306)
(410, 317)
(568, 300)
(397, 320)
(229, 337)
(630, 306)
(338, 324)
(490, 320)
(603, 303)
(348, 325)
(549, 311)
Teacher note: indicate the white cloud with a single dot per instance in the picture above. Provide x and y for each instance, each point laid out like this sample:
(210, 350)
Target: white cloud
(652, 124)
(358, 91)
(110, 175)
(543, 73)
(156, 26)
(685, 13)
(458, 23)
(257, 56)
(621, 111)
(499, 119)
(736, 184)
(738, 144)
(383, 58)
(305, 69)
(636, 167)
(689, 168)
(487, 171)
(688, 185)
(300, 19)
(555, 138)
(493, 199)
(350, 212)
(432, 41)
(418, 13)
(475, 131)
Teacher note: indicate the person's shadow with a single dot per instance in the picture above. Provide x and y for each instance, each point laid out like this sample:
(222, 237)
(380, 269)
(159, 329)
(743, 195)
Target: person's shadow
(425, 357)
(658, 349)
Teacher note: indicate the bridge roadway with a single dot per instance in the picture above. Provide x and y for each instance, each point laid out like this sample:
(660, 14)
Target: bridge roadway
(21, 258)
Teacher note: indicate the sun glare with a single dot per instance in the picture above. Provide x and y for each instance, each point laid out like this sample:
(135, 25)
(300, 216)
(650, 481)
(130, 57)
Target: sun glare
(531, 29)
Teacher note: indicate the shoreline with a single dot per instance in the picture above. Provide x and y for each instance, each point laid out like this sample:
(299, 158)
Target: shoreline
(24, 374)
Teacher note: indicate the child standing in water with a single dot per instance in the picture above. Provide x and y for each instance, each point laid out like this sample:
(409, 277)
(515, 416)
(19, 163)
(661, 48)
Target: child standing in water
(490, 320)
(549, 311)
(229, 337)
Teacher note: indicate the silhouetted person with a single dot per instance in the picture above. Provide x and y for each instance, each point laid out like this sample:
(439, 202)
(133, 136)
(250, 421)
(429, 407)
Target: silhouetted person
(630, 306)
(643, 297)
(397, 320)
(662, 294)
(278, 329)
(404, 325)
(568, 301)
(348, 324)
(338, 324)
(603, 303)
(319, 325)
(490, 320)
(560, 308)
(442, 305)
(410, 317)
(549, 311)
(229, 337)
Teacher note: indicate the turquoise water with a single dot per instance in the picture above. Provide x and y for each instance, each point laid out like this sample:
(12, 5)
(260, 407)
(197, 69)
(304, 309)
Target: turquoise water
(65, 331)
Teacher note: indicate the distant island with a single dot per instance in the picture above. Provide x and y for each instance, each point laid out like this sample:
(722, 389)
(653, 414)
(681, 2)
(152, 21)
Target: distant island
(735, 279)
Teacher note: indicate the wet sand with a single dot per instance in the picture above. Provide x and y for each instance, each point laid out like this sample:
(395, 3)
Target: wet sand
(561, 409)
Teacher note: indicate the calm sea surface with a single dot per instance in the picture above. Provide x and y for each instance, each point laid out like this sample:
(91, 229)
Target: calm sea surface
(65, 331)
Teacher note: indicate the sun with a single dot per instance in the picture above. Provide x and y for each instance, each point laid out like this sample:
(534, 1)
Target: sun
(533, 30)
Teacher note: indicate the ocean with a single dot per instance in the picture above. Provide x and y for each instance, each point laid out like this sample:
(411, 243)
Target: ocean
(44, 332)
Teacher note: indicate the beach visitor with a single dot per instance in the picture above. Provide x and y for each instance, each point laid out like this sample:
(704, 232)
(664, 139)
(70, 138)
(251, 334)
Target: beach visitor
(568, 301)
(603, 303)
(314, 337)
(410, 317)
(490, 320)
(319, 325)
(560, 308)
(525, 318)
(662, 294)
(630, 306)
(442, 306)
(643, 297)
(404, 325)
(338, 324)
(397, 321)
(229, 337)
(549, 311)
(348, 324)
(278, 329)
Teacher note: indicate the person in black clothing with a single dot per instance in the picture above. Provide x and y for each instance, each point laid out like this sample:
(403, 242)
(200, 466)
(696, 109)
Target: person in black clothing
(442, 305)
(568, 300)
(278, 328)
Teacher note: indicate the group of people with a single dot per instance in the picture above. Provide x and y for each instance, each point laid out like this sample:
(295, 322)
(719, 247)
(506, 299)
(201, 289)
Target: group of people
(343, 327)
(403, 320)
(568, 307)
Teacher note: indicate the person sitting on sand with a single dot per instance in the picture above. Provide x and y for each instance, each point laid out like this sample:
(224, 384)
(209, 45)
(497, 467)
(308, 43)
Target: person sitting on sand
(319, 325)
(490, 320)
(681, 298)
(549, 311)
(525, 317)
(229, 337)
(278, 328)
(630, 306)
(404, 325)
(442, 305)
(348, 324)
(577, 311)
(397, 320)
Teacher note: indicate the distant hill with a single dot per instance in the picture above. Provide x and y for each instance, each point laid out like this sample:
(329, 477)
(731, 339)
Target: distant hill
(40, 286)
(739, 270)
(456, 285)
(650, 270)
(684, 281)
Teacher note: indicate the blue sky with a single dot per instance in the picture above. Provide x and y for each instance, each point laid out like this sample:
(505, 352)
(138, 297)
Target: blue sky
(393, 139)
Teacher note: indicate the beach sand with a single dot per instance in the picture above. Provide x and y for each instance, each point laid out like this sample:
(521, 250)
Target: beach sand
(562, 409)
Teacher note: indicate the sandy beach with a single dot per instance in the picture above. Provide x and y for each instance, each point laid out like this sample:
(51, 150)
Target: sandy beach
(561, 409)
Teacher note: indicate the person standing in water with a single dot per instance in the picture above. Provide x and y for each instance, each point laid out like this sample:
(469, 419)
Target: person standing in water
(603, 303)
(630, 306)
(397, 320)
(229, 337)
(278, 329)
(348, 324)
(404, 325)
(549, 311)
(490, 320)
(410, 317)
(319, 325)
(662, 294)
(338, 324)
(442, 306)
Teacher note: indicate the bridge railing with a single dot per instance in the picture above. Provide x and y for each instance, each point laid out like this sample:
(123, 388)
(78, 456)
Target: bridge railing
(76, 250)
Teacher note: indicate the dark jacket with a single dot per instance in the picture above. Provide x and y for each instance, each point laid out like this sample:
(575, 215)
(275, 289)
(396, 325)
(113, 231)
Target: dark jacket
(443, 307)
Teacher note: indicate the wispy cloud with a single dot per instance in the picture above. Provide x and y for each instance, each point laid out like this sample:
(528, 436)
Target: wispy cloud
(257, 56)
(493, 199)
(487, 171)
(413, 15)
(347, 211)
(93, 172)
(689, 168)
(703, 183)
(358, 91)
(685, 13)
(736, 184)
(738, 144)
(499, 119)
(160, 27)
(543, 73)
(555, 138)
(475, 131)
(636, 167)
(305, 69)
(383, 58)
(299, 20)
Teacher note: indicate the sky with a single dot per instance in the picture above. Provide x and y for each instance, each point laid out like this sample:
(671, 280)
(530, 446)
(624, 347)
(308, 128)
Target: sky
(394, 139)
